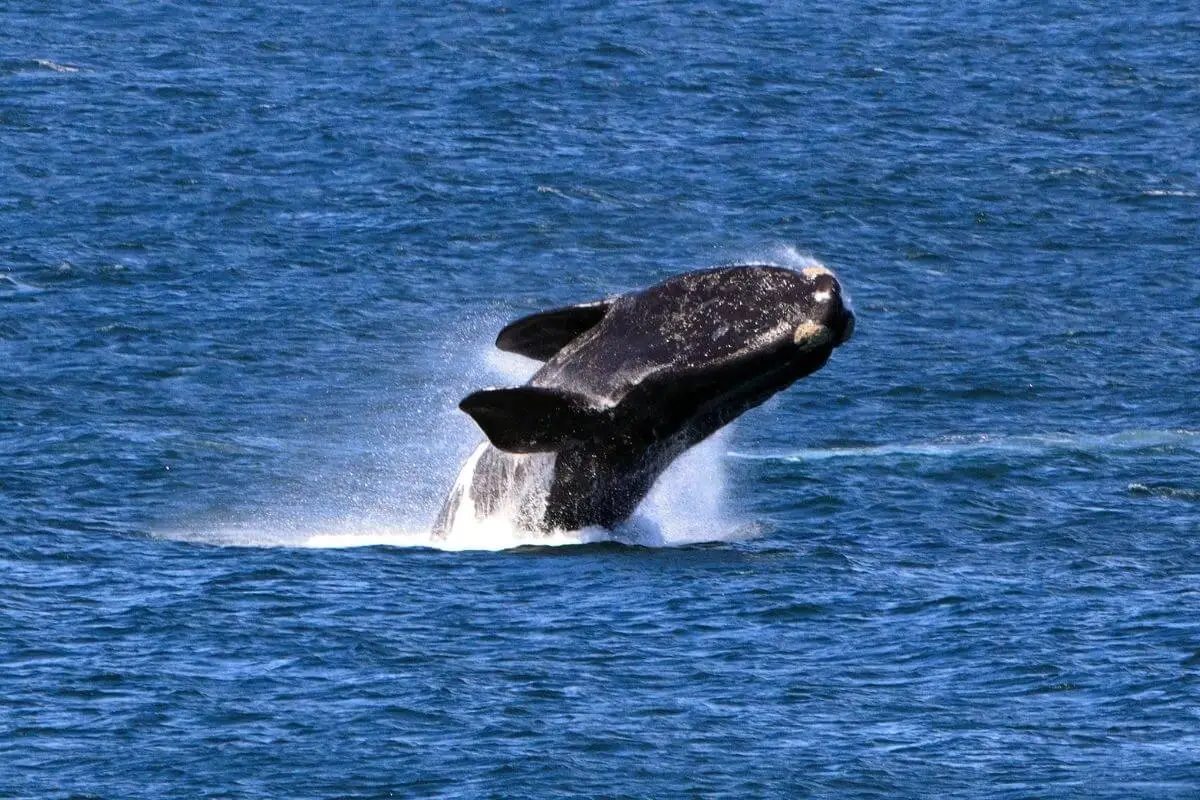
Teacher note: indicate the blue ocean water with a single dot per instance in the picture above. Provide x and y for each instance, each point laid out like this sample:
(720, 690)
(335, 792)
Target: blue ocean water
(251, 255)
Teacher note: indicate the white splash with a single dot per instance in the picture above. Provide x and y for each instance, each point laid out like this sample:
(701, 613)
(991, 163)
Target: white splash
(784, 255)
(513, 368)
(686, 506)
(689, 502)
(512, 489)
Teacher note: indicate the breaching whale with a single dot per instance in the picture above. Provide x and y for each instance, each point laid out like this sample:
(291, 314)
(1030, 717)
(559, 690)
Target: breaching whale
(631, 382)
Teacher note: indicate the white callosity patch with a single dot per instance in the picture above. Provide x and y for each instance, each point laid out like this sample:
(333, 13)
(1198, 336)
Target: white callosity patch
(811, 335)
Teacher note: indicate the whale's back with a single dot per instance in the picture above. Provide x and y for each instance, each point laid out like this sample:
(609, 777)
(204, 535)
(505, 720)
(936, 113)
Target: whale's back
(685, 325)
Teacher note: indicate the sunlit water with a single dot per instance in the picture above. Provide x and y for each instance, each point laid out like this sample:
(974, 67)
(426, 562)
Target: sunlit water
(253, 255)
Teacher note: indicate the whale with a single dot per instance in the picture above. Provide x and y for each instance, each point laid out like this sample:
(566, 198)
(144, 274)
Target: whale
(629, 383)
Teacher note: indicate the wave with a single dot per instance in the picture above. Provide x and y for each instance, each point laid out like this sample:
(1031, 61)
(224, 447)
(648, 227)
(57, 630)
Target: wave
(10, 284)
(962, 446)
(347, 534)
(1164, 491)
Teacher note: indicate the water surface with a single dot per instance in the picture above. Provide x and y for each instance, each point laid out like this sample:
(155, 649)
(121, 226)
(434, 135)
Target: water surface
(250, 259)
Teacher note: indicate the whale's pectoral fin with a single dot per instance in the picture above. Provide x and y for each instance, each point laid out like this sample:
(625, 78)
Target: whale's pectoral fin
(529, 419)
(543, 334)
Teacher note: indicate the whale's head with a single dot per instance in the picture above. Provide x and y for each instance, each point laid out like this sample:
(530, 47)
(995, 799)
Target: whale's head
(827, 319)
(755, 329)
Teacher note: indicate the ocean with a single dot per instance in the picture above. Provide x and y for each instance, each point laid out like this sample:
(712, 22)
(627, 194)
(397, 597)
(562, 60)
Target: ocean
(252, 255)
